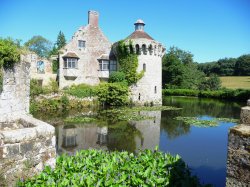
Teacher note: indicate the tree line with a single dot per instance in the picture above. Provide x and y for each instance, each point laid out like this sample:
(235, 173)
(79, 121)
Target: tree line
(227, 66)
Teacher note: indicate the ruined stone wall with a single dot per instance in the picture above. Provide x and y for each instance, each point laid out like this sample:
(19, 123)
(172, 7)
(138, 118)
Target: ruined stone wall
(26, 144)
(45, 76)
(238, 158)
(14, 99)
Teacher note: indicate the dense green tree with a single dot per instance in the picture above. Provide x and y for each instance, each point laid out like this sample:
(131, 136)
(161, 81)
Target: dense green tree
(40, 45)
(226, 66)
(242, 65)
(179, 70)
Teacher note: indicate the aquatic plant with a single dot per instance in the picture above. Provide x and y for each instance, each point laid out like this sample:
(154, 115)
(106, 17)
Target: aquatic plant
(102, 168)
(198, 122)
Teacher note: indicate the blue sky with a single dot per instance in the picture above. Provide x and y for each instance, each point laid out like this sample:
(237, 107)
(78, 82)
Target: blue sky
(209, 29)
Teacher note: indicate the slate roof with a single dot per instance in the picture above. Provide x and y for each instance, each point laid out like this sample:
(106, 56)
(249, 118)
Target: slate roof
(139, 34)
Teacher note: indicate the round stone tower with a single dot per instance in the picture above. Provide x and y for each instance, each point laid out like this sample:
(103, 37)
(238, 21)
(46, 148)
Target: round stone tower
(149, 88)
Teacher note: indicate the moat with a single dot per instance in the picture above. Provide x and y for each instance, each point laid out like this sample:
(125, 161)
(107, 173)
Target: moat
(204, 149)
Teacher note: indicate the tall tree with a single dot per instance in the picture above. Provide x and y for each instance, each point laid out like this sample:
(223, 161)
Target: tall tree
(61, 41)
(40, 45)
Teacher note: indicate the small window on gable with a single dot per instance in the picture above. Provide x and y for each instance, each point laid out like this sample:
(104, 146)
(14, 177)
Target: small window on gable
(81, 43)
(144, 67)
(40, 67)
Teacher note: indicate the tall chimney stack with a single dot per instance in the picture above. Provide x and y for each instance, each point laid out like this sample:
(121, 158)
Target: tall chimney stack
(93, 18)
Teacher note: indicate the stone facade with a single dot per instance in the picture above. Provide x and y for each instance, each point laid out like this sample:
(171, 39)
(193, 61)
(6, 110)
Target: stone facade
(26, 144)
(41, 69)
(86, 47)
(88, 58)
(238, 159)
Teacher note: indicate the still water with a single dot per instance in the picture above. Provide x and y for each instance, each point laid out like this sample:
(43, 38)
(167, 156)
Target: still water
(203, 149)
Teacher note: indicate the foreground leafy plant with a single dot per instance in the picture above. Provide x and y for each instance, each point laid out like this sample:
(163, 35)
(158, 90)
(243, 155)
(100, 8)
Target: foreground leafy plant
(195, 121)
(102, 168)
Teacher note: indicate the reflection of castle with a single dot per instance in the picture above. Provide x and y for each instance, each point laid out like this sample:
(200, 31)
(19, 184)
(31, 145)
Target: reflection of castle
(135, 136)
(150, 130)
(77, 137)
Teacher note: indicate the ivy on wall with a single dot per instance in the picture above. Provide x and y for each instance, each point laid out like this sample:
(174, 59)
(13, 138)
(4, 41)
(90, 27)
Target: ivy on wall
(128, 61)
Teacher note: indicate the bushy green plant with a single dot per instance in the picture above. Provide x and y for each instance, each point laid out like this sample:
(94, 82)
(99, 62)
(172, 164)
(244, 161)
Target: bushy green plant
(213, 82)
(9, 52)
(102, 168)
(115, 94)
(82, 90)
(117, 76)
(35, 88)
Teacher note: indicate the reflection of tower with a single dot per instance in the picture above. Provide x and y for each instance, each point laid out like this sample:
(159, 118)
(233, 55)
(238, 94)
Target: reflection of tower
(69, 136)
(102, 135)
(150, 130)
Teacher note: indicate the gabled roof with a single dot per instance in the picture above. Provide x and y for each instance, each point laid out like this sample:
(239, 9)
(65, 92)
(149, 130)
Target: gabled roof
(70, 55)
(139, 34)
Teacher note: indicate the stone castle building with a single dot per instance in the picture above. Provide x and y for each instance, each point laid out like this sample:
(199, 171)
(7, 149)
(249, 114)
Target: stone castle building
(88, 58)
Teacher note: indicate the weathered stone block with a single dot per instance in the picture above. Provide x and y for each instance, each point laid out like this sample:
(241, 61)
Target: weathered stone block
(245, 115)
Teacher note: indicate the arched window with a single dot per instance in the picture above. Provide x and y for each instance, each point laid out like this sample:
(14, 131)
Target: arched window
(144, 49)
(155, 50)
(139, 98)
(131, 49)
(144, 67)
(150, 49)
(137, 48)
(40, 67)
(155, 89)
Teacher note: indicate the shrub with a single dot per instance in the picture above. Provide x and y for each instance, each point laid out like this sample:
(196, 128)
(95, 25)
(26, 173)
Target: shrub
(115, 94)
(82, 90)
(117, 76)
(212, 83)
(35, 88)
(102, 168)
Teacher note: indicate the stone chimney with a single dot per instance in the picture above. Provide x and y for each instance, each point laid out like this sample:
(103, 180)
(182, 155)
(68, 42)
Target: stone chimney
(93, 18)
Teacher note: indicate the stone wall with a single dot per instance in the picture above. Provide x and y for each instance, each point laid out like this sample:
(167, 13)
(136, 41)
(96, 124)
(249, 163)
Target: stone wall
(26, 144)
(238, 159)
(14, 99)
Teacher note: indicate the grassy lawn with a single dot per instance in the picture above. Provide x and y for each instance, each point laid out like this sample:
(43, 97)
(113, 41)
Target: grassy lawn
(235, 82)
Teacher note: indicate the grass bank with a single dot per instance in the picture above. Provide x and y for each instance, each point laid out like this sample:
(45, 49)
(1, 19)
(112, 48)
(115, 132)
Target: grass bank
(236, 82)
(227, 94)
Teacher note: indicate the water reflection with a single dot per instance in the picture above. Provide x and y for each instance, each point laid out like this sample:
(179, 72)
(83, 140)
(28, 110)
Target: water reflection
(130, 136)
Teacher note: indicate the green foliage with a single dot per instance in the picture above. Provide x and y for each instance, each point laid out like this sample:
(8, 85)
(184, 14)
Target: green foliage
(55, 66)
(212, 83)
(102, 168)
(228, 66)
(79, 119)
(128, 62)
(36, 87)
(9, 52)
(195, 121)
(1, 79)
(82, 90)
(40, 45)
(114, 94)
(179, 70)
(242, 65)
(60, 42)
(228, 94)
(117, 76)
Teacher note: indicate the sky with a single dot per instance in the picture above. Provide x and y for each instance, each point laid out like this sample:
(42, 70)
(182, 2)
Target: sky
(209, 29)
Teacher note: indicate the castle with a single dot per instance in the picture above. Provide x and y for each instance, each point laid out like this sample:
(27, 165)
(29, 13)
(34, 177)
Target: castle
(88, 58)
